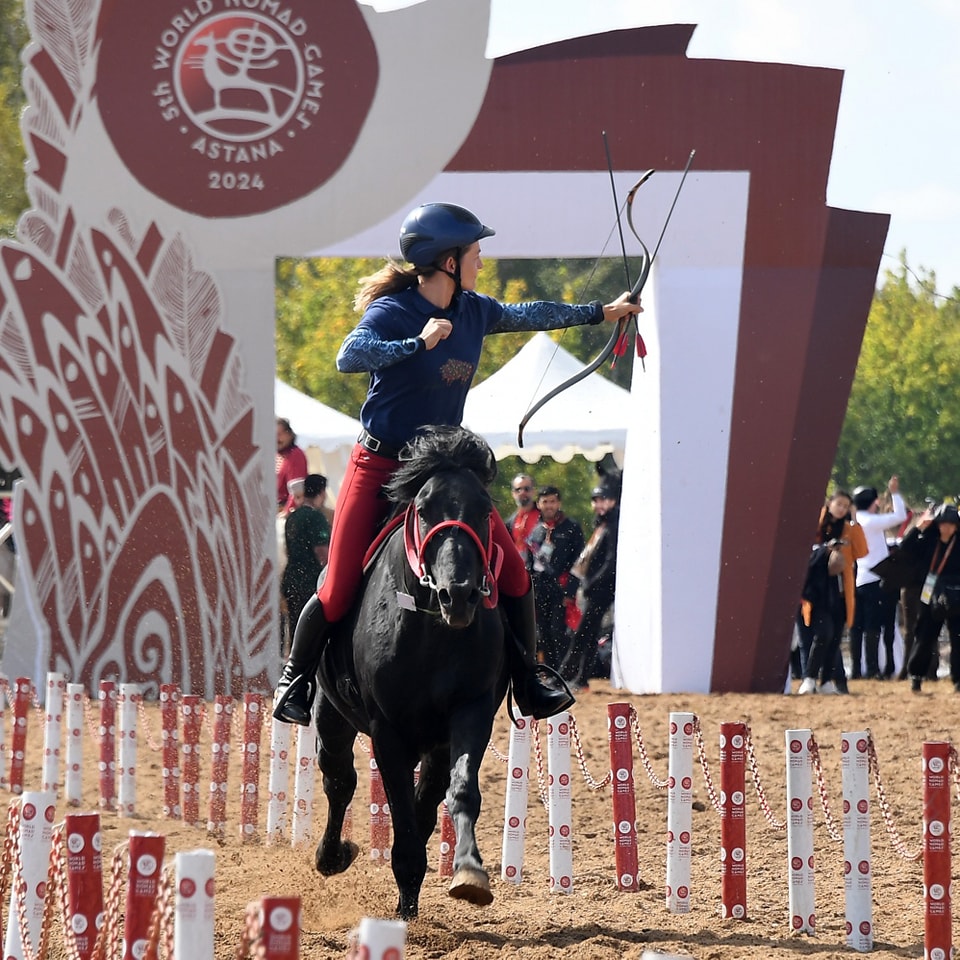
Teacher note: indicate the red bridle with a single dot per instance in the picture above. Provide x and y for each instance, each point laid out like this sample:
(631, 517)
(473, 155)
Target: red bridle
(415, 546)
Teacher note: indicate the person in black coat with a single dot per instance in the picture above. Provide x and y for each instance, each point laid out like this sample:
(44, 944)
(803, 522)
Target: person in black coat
(932, 548)
(596, 570)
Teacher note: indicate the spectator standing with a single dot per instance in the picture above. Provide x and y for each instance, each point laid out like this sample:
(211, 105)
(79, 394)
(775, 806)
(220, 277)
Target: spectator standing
(291, 462)
(828, 596)
(554, 545)
(596, 570)
(521, 522)
(871, 599)
(932, 546)
(307, 536)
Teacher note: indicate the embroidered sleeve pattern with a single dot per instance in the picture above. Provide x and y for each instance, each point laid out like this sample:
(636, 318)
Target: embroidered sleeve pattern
(363, 351)
(544, 315)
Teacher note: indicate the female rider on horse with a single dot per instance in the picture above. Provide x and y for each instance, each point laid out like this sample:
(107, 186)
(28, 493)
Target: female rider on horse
(420, 339)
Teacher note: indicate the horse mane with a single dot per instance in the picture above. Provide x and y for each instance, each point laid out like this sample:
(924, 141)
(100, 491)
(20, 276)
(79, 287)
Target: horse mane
(437, 449)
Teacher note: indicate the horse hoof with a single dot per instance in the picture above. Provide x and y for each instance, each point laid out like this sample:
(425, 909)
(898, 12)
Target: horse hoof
(329, 863)
(472, 885)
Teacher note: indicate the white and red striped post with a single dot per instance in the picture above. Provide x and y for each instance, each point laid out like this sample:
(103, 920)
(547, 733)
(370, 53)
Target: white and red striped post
(220, 748)
(857, 864)
(128, 703)
(192, 709)
(620, 743)
(800, 862)
(515, 802)
(22, 695)
(108, 745)
(280, 928)
(250, 770)
(379, 815)
(170, 748)
(31, 858)
(278, 781)
(73, 760)
(560, 811)
(143, 882)
(937, 909)
(304, 784)
(448, 842)
(194, 904)
(679, 812)
(84, 879)
(56, 689)
(733, 820)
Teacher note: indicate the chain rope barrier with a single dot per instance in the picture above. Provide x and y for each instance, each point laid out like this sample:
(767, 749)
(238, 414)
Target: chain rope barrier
(702, 755)
(832, 830)
(591, 781)
(642, 750)
(765, 807)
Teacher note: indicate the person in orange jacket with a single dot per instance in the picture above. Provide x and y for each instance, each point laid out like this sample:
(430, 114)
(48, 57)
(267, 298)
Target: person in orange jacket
(829, 591)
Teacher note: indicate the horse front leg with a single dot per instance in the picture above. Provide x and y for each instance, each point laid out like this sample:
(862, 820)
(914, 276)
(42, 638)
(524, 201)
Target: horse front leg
(469, 735)
(408, 858)
(335, 756)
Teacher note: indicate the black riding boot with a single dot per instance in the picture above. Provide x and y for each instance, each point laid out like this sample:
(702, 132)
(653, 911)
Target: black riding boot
(539, 691)
(297, 688)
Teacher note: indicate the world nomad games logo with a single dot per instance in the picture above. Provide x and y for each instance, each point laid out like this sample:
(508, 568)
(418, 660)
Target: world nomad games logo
(228, 108)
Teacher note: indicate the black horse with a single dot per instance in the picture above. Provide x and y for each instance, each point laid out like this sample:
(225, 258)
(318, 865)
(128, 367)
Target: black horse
(420, 666)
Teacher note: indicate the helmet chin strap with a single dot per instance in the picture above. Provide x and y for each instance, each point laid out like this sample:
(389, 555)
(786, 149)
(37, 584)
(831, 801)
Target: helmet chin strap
(455, 277)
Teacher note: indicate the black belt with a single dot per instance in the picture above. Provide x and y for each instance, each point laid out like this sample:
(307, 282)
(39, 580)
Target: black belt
(381, 449)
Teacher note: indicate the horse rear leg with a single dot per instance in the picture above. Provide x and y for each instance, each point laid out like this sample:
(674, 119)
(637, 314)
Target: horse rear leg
(469, 736)
(409, 855)
(335, 756)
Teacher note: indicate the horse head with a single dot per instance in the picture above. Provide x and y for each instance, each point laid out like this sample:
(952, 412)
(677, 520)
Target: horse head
(447, 530)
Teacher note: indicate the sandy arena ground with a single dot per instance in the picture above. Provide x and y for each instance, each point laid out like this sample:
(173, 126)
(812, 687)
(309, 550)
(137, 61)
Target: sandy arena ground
(595, 921)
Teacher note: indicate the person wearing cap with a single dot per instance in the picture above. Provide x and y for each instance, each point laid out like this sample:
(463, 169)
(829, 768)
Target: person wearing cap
(596, 571)
(932, 546)
(871, 599)
(419, 341)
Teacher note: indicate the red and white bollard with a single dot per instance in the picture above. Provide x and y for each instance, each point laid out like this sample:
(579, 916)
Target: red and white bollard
(379, 815)
(560, 799)
(56, 689)
(143, 882)
(192, 709)
(31, 857)
(937, 908)
(84, 880)
(250, 771)
(802, 899)
(194, 903)
(220, 748)
(273, 928)
(448, 842)
(679, 812)
(129, 703)
(73, 759)
(303, 787)
(108, 745)
(170, 748)
(515, 802)
(278, 781)
(22, 695)
(857, 867)
(620, 743)
(733, 820)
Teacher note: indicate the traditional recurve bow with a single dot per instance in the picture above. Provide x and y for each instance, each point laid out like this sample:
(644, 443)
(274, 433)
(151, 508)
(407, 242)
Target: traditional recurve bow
(646, 263)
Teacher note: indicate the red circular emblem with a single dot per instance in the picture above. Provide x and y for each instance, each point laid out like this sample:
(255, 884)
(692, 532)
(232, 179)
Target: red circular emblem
(230, 113)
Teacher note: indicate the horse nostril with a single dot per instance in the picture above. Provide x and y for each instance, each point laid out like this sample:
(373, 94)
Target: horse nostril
(443, 595)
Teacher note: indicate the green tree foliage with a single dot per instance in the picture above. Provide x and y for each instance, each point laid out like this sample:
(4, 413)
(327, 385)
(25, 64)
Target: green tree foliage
(903, 416)
(13, 194)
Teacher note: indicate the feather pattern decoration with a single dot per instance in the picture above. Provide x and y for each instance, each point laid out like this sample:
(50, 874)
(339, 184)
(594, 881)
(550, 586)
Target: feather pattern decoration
(145, 526)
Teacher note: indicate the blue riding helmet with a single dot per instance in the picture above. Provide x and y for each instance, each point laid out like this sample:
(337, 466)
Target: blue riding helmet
(434, 228)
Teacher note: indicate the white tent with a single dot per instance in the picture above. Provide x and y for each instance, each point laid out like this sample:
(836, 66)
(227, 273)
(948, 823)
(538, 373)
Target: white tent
(326, 435)
(589, 419)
